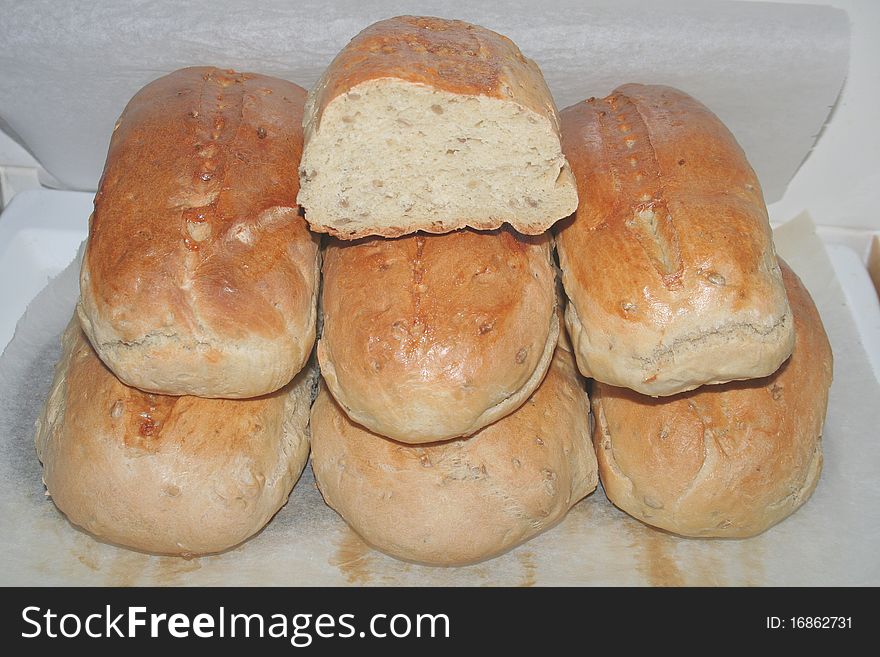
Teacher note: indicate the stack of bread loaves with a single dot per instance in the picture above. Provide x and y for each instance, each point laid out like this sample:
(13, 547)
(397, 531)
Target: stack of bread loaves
(452, 424)
(198, 290)
(674, 283)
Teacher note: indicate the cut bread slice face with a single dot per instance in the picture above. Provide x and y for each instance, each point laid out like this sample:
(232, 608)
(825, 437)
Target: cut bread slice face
(421, 136)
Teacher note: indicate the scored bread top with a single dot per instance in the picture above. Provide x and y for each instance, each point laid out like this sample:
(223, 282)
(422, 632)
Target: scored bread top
(449, 55)
(429, 337)
(670, 252)
(196, 240)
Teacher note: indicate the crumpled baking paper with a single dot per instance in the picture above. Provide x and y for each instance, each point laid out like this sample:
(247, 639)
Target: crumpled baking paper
(772, 72)
(833, 540)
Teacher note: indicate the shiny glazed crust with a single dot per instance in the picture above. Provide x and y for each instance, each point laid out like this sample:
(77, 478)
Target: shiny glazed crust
(431, 337)
(200, 277)
(669, 261)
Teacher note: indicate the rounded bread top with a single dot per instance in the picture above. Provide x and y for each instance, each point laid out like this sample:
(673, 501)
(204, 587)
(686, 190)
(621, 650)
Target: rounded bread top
(196, 231)
(424, 334)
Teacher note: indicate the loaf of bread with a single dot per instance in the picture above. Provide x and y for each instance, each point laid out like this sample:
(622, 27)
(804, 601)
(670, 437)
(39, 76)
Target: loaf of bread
(430, 337)
(433, 125)
(200, 277)
(669, 262)
(171, 475)
(464, 500)
(728, 460)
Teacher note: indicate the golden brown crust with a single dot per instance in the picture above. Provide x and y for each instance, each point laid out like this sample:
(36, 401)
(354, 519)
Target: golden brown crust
(448, 55)
(728, 460)
(464, 500)
(173, 475)
(669, 256)
(195, 243)
(429, 337)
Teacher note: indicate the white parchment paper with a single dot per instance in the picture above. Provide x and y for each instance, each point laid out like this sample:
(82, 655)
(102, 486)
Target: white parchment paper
(833, 539)
(772, 72)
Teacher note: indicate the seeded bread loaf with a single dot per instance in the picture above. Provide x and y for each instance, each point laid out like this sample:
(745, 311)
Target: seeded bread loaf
(669, 262)
(463, 500)
(200, 277)
(171, 475)
(728, 460)
(431, 124)
(431, 337)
